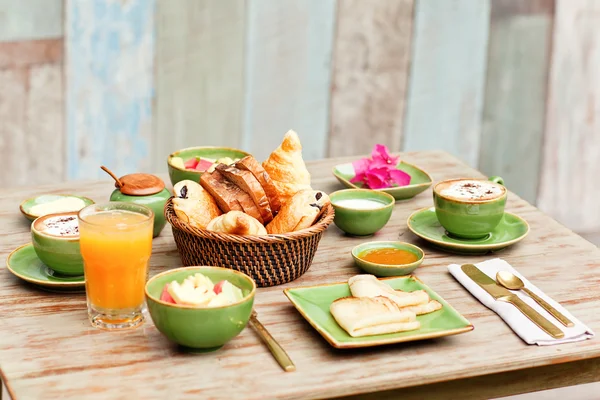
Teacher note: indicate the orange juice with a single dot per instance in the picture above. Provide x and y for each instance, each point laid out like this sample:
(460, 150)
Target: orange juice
(116, 245)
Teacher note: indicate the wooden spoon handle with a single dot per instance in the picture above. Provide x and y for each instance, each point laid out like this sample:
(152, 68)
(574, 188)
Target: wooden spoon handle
(553, 311)
(278, 352)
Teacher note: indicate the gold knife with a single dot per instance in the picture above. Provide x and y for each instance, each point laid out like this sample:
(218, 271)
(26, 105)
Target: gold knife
(501, 294)
(278, 352)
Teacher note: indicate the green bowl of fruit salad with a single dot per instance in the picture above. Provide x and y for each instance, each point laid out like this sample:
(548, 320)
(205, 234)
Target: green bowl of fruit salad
(200, 307)
(190, 163)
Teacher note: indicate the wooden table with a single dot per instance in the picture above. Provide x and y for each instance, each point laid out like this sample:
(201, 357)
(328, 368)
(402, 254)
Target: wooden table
(48, 349)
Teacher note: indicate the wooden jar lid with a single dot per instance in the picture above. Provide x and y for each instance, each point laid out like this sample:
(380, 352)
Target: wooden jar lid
(140, 184)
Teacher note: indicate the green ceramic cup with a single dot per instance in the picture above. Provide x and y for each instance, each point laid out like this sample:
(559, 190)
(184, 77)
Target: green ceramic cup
(469, 219)
(200, 328)
(156, 202)
(177, 174)
(356, 220)
(61, 254)
(387, 269)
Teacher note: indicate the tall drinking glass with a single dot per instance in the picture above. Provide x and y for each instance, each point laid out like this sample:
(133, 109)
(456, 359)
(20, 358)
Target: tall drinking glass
(116, 244)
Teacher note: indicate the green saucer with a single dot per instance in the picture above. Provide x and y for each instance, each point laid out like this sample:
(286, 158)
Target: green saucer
(24, 263)
(425, 224)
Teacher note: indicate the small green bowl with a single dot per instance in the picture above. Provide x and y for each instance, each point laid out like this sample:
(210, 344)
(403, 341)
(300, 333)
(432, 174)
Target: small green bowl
(28, 204)
(195, 327)
(177, 174)
(387, 269)
(361, 222)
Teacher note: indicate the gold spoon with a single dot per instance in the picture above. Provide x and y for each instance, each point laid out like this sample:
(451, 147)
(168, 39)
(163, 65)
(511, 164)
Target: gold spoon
(513, 282)
(278, 352)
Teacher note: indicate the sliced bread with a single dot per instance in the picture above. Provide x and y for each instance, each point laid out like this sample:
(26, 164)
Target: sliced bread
(250, 164)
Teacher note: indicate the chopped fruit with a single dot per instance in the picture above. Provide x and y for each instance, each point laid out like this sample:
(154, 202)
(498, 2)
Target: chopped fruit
(203, 165)
(165, 296)
(199, 291)
(218, 287)
(191, 163)
(177, 162)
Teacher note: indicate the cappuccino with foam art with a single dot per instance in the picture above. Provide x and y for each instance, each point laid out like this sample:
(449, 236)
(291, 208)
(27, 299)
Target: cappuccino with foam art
(470, 190)
(58, 225)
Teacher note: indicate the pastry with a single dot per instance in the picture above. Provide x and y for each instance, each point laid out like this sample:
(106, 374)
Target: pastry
(237, 223)
(249, 184)
(286, 168)
(300, 212)
(370, 286)
(364, 316)
(193, 204)
(228, 195)
(249, 163)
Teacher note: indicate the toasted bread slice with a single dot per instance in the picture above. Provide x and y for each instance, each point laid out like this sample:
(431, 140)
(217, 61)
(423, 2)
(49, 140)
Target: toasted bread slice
(249, 184)
(228, 195)
(224, 192)
(249, 163)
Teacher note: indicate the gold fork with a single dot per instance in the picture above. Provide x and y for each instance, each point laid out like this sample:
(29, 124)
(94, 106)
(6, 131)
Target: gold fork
(278, 352)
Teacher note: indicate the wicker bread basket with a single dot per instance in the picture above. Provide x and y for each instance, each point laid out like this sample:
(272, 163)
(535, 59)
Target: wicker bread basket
(269, 260)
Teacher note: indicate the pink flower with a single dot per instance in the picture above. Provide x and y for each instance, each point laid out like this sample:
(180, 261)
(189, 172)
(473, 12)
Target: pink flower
(379, 171)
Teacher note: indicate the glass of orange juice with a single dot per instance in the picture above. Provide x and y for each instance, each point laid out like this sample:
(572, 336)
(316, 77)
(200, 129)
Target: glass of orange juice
(116, 244)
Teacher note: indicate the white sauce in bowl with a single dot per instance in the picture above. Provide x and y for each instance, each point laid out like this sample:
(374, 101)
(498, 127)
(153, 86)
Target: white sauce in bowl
(359, 204)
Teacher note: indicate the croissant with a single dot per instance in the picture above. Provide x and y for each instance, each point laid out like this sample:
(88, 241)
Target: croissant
(193, 204)
(286, 167)
(237, 223)
(300, 212)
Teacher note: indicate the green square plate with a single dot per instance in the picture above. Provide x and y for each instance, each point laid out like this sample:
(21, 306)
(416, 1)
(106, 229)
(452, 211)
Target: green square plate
(313, 303)
(419, 180)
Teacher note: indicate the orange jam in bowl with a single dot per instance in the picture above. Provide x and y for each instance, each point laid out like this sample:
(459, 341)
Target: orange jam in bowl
(388, 256)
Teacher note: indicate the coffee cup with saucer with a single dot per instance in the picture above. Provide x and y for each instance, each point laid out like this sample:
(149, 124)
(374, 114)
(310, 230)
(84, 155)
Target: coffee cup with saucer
(468, 217)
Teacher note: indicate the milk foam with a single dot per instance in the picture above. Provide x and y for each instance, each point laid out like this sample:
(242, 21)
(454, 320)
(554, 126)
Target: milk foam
(472, 190)
(61, 225)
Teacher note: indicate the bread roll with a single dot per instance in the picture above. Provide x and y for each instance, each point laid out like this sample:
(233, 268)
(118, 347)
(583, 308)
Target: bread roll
(193, 204)
(300, 212)
(365, 316)
(286, 168)
(237, 223)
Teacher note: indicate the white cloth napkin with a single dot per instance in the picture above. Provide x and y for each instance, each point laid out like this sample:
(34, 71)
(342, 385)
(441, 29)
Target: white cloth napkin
(518, 322)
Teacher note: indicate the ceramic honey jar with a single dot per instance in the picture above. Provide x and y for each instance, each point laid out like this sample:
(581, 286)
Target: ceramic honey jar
(146, 189)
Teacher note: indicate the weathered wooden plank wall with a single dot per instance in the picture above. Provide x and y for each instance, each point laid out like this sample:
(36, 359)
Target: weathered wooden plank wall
(145, 77)
(370, 74)
(288, 55)
(571, 161)
(109, 90)
(199, 75)
(515, 93)
(446, 89)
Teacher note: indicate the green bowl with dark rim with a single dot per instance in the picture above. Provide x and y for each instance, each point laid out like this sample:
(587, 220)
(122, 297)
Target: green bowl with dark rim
(387, 269)
(200, 327)
(360, 222)
(177, 174)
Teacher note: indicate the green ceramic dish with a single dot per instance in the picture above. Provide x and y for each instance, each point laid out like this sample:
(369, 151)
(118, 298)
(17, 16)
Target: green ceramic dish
(510, 230)
(387, 269)
(62, 254)
(313, 303)
(200, 328)
(26, 205)
(470, 219)
(156, 202)
(361, 222)
(24, 263)
(419, 180)
(178, 174)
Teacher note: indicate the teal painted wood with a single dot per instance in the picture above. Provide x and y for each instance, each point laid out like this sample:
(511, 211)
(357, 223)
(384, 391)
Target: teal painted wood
(288, 74)
(571, 159)
(109, 90)
(199, 75)
(30, 19)
(445, 95)
(515, 95)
